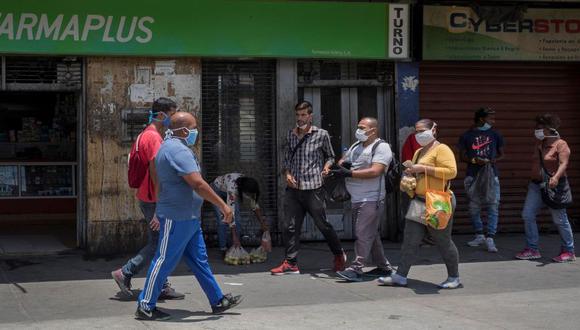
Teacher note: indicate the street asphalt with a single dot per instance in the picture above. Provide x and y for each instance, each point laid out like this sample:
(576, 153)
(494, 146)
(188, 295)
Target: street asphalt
(71, 291)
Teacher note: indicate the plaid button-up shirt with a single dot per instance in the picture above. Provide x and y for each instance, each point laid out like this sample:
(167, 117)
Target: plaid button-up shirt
(308, 162)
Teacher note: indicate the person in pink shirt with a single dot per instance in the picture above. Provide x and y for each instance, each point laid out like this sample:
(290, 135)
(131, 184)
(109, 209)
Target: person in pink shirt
(148, 143)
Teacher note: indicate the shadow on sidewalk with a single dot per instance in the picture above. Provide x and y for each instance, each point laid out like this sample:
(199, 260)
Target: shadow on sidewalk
(313, 257)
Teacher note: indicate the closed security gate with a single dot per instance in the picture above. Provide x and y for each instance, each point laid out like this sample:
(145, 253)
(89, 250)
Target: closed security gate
(238, 132)
(450, 93)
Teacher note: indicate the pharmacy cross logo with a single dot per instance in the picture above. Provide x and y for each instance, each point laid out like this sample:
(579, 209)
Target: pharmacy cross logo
(410, 83)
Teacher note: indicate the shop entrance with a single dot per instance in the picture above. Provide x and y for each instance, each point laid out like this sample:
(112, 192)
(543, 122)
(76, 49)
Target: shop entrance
(341, 94)
(38, 161)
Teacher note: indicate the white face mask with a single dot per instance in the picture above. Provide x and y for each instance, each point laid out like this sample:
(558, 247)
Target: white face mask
(361, 135)
(539, 133)
(424, 138)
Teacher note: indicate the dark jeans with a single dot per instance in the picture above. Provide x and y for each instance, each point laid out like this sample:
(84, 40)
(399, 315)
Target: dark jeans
(145, 255)
(296, 204)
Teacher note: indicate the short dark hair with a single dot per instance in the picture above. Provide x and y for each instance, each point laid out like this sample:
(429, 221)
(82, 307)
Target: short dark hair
(247, 185)
(483, 112)
(163, 104)
(548, 120)
(304, 105)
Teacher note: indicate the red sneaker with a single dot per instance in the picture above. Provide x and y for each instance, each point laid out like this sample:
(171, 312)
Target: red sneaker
(565, 257)
(285, 269)
(528, 254)
(339, 262)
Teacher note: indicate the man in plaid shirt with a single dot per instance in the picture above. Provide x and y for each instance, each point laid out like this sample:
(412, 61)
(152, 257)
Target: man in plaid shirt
(308, 158)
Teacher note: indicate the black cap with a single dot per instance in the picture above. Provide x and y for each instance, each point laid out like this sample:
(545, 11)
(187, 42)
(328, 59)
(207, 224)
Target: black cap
(482, 113)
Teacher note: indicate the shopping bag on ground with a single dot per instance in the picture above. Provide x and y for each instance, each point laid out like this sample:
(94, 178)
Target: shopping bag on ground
(232, 256)
(258, 255)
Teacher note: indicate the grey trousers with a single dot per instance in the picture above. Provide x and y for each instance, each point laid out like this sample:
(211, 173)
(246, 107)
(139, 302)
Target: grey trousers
(368, 246)
(414, 233)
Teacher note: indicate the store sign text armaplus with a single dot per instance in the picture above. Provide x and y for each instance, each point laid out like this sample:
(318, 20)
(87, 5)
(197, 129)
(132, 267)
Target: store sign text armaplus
(236, 28)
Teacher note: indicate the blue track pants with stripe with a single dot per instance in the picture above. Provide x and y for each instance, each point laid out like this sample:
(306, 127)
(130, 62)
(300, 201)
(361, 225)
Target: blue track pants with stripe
(179, 238)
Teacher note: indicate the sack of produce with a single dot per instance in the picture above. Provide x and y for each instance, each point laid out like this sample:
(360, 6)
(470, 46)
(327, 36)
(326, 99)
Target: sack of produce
(232, 256)
(244, 256)
(258, 255)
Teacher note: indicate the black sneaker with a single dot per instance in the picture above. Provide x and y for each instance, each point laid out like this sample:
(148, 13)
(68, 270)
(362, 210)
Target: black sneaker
(227, 302)
(379, 272)
(154, 315)
(350, 275)
(169, 293)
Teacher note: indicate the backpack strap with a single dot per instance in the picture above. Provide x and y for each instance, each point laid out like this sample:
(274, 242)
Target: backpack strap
(137, 142)
(351, 148)
(375, 146)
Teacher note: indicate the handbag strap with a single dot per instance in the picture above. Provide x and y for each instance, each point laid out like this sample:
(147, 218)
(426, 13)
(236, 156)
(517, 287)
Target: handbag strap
(293, 152)
(427, 181)
(541, 157)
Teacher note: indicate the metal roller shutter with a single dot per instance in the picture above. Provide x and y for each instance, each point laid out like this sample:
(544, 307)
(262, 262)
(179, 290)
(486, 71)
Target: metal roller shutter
(238, 131)
(451, 91)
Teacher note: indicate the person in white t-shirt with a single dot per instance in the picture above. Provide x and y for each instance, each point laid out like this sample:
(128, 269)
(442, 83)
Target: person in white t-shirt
(364, 166)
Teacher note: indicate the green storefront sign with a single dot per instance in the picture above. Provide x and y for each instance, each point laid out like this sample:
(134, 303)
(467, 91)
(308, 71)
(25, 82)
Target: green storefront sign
(457, 33)
(237, 28)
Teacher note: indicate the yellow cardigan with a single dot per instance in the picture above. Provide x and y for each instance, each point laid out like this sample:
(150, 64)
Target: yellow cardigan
(442, 158)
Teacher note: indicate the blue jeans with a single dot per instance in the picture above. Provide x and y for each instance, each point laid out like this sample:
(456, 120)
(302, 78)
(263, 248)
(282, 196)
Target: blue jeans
(532, 206)
(144, 256)
(491, 209)
(179, 238)
(222, 228)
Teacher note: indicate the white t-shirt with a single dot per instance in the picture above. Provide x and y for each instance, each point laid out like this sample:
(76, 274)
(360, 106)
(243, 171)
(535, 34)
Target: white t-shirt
(367, 190)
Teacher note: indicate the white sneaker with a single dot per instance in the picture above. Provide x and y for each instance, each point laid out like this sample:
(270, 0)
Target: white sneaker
(393, 280)
(450, 283)
(479, 239)
(490, 245)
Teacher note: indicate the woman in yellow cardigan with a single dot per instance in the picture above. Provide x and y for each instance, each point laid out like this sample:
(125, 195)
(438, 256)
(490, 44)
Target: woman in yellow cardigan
(434, 164)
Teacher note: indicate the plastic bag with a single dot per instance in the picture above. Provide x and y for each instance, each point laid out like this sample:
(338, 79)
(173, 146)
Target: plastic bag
(266, 243)
(232, 257)
(408, 184)
(237, 256)
(244, 256)
(336, 189)
(482, 189)
(258, 255)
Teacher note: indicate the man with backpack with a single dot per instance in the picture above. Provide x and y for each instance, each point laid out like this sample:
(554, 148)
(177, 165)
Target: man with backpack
(141, 159)
(364, 166)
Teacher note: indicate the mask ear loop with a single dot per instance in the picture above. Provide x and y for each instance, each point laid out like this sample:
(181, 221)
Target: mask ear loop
(168, 134)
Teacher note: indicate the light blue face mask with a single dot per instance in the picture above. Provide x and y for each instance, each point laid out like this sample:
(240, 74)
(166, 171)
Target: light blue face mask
(485, 127)
(190, 138)
(165, 121)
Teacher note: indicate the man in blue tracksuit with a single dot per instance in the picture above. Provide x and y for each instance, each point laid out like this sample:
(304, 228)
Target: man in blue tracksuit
(181, 194)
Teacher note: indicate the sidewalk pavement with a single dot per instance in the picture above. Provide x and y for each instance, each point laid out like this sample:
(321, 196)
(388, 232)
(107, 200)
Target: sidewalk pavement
(72, 292)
